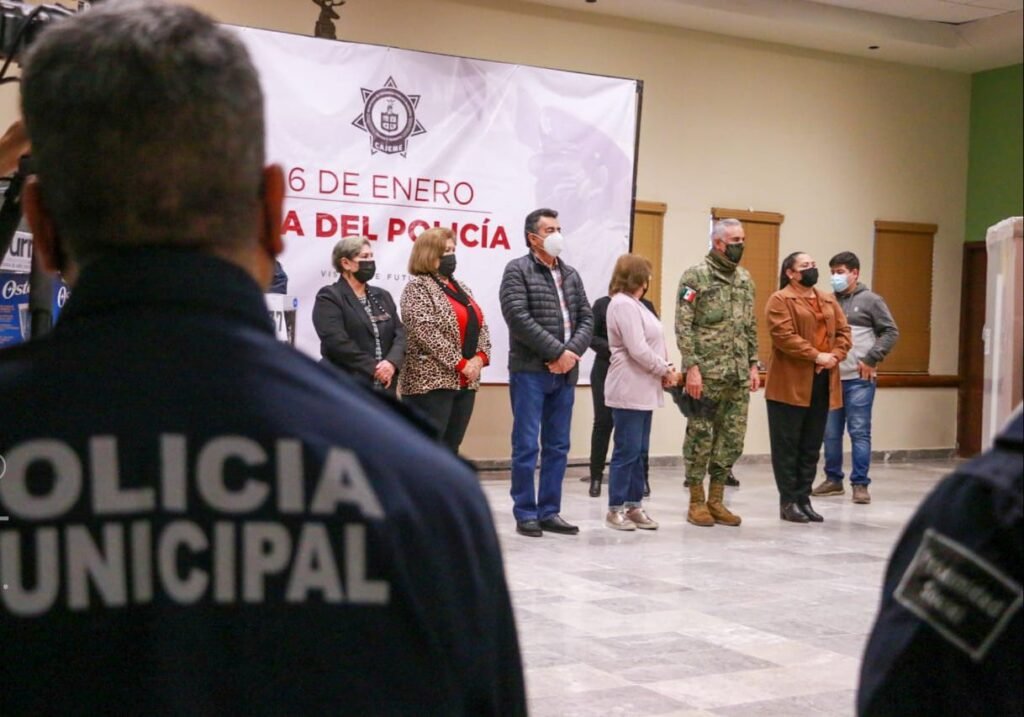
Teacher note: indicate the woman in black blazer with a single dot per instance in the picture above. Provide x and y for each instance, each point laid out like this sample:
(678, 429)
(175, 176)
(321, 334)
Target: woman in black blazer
(358, 324)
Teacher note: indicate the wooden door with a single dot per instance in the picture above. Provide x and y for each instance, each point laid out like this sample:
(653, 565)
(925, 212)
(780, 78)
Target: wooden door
(903, 277)
(972, 349)
(648, 231)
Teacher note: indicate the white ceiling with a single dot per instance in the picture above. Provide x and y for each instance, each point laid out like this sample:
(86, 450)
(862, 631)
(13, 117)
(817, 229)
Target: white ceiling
(955, 11)
(962, 35)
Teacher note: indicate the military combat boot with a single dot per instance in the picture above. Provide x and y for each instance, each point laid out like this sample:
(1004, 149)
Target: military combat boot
(698, 513)
(719, 513)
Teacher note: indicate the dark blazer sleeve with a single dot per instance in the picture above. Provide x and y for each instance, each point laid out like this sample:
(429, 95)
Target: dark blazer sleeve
(515, 308)
(599, 341)
(395, 354)
(279, 283)
(332, 317)
(483, 345)
(648, 304)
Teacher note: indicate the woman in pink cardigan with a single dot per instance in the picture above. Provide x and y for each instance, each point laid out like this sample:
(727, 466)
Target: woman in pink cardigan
(638, 371)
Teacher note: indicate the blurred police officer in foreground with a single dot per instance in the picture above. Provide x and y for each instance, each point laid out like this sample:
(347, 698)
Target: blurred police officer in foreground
(949, 636)
(202, 520)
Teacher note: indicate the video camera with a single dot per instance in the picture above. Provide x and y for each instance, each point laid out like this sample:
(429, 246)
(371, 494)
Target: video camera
(21, 22)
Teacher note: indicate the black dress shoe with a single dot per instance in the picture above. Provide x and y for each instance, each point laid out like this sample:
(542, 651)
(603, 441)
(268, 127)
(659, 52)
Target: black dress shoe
(529, 528)
(555, 524)
(730, 480)
(812, 515)
(792, 513)
(595, 487)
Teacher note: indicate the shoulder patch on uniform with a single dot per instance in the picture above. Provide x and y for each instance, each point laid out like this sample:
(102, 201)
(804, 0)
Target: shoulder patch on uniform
(962, 596)
(688, 294)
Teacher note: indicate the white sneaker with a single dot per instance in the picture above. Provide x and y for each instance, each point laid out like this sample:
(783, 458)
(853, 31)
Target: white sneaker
(617, 520)
(640, 519)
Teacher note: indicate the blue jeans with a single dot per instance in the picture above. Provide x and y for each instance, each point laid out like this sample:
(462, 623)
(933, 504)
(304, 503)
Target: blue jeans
(855, 415)
(626, 472)
(541, 410)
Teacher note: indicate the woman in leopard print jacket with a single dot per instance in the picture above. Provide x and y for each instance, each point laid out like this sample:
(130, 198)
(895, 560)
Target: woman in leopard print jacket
(448, 340)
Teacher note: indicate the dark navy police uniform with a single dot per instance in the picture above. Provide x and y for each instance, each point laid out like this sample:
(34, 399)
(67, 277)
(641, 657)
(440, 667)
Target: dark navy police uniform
(949, 637)
(203, 521)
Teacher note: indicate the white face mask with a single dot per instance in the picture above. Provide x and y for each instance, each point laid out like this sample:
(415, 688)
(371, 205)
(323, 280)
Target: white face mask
(554, 243)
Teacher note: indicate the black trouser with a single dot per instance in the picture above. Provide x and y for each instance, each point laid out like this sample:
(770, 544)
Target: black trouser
(796, 433)
(448, 409)
(601, 433)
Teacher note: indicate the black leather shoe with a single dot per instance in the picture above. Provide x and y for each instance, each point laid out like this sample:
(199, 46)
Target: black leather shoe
(555, 524)
(595, 487)
(730, 480)
(792, 513)
(529, 528)
(647, 488)
(812, 515)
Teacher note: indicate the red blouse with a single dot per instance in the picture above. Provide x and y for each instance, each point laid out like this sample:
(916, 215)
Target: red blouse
(462, 316)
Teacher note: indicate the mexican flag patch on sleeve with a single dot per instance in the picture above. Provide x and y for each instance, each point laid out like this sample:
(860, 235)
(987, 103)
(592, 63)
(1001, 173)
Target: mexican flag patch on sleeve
(689, 295)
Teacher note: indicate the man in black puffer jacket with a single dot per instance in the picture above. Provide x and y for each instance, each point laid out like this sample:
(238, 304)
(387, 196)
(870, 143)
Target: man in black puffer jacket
(550, 324)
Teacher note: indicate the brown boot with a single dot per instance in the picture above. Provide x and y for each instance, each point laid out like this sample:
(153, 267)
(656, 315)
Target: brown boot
(717, 509)
(698, 513)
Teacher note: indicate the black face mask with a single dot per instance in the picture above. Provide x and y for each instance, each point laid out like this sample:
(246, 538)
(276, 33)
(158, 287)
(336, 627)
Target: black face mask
(809, 277)
(366, 271)
(734, 252)
(447, 267)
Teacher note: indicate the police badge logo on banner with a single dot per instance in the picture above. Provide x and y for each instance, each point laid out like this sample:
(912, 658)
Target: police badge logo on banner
(389, 115)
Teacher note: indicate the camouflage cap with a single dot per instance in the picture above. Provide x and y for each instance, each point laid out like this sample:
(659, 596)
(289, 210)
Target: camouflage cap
(692, 407)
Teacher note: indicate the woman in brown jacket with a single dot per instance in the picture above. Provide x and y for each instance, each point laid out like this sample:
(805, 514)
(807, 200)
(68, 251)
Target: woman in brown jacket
(810, 337)
(448, 339)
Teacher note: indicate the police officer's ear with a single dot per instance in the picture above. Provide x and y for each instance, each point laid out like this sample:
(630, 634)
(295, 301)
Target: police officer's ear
(271, 208)
(45, 238)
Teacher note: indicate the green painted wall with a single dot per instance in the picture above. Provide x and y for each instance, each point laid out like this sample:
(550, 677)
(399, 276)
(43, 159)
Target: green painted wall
(995, 174)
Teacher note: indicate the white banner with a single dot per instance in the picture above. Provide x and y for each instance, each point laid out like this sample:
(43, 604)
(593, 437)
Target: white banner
(386, 142)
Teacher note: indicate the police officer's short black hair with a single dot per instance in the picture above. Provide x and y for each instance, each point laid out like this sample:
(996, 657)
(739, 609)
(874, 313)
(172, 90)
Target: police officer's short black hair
(146, 122)
(844, 258)
(533, 218)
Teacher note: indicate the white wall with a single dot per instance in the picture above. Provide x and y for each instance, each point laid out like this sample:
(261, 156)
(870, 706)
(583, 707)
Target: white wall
(832, 142)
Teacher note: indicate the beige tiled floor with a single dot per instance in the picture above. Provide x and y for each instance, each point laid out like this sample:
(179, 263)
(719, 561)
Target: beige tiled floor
(766, 619)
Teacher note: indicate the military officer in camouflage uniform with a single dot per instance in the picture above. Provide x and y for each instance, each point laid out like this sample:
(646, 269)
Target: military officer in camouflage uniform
(716, 332)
